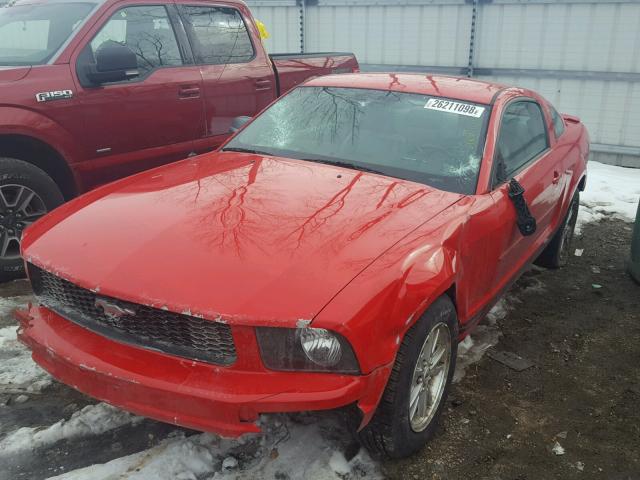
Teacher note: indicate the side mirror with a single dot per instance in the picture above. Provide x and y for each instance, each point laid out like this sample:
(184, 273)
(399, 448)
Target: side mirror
(237, 123)
(115, 62)
(525, 221)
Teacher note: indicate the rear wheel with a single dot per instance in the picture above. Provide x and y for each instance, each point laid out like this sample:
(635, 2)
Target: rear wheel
(417, 389)
(558, 252)
(26, 194)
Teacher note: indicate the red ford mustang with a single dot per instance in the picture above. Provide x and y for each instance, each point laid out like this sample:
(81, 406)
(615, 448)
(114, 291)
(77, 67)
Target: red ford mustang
(331, 254)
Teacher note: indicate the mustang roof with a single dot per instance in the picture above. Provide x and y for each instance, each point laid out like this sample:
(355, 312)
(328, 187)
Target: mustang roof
(460, 88)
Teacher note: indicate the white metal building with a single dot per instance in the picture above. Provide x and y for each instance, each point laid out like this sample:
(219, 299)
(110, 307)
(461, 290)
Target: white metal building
(583, 55)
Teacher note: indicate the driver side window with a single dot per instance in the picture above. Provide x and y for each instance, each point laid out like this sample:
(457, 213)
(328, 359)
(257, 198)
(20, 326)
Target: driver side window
(522, 137)
(148, 33)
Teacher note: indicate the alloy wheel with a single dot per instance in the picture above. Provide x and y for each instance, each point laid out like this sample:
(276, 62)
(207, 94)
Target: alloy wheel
(429, 377)
(19, 207)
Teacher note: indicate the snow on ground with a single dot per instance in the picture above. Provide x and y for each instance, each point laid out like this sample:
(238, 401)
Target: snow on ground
(17, 371)
(91, 420)
(611, 192)
(306, 446)
(9, 304)
(484, 336)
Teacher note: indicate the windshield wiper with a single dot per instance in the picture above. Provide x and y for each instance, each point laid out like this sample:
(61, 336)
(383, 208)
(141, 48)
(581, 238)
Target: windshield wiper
(352, 166)
(245, 150)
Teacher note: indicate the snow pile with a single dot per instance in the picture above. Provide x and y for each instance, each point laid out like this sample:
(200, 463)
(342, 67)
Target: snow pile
(9, 304)
(17, 370)
(91, 420)
(174, 458)
(611, 192)
(304, 446)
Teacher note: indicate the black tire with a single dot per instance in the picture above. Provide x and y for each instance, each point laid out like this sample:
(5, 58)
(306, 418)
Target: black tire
(558, 251)
(390, 434)
(13, 175)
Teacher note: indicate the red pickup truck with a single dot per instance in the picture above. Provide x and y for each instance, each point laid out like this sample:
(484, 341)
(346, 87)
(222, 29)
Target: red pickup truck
(94, 90)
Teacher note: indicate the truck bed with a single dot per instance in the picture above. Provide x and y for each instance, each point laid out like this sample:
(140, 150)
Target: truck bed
(294, 68)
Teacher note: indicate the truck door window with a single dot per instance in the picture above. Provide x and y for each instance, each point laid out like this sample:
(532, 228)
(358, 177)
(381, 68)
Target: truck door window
(218, 34)
(147, 31)
(522, 137)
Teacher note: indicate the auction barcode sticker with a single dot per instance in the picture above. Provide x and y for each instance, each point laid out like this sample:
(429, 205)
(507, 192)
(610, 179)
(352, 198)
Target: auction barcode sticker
(454, 107)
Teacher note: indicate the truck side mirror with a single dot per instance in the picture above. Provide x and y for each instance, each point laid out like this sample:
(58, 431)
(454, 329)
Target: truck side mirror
(115, 62)
(237, 123)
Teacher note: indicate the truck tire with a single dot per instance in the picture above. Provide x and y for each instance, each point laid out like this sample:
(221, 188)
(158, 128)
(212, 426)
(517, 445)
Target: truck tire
(26, 194)
(558, 251)
(408, 413)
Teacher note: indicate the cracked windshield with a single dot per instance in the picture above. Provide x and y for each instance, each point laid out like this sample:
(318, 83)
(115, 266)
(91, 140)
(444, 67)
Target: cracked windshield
(415, 137)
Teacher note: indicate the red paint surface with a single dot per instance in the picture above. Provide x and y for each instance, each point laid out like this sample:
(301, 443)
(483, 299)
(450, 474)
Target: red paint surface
(259, 240)
(146, 123)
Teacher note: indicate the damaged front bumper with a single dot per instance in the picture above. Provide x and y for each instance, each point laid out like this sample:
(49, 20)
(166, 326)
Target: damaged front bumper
(193, 394)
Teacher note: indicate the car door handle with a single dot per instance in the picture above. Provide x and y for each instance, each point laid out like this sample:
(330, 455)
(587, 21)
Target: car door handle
(263, 84)
(556, 177)
(189, 91)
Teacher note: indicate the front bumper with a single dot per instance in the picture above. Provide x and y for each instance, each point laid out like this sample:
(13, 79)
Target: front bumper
(224, 400)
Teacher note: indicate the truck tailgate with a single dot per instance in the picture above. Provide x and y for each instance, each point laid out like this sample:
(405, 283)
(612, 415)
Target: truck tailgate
(294, 68)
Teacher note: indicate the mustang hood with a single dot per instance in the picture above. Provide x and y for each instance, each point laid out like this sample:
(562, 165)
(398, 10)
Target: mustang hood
(243, 238)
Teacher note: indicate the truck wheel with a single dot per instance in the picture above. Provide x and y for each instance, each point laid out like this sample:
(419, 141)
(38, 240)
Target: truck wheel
(413, 399)
(26, 194)
(557, 253)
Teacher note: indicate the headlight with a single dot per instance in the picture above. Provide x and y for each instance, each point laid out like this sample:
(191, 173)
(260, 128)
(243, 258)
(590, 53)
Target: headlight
(321, 346)
(310, 349)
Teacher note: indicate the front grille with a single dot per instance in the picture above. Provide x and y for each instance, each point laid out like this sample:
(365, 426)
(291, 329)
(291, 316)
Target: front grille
(135, 324)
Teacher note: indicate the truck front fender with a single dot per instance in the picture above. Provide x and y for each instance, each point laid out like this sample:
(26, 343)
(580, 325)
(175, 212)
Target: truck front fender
(26, 122)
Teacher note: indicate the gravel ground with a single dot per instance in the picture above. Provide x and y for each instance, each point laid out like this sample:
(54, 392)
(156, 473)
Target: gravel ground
(579, 326)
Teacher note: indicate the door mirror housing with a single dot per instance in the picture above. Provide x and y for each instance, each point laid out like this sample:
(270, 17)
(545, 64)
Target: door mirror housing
(115, 62)
(237, 123)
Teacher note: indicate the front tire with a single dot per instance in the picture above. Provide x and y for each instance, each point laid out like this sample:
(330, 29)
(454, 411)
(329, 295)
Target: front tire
(26, 194)
(408, 413)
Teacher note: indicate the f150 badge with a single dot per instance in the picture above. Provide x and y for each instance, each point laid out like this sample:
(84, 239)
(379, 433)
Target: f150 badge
(54, 95)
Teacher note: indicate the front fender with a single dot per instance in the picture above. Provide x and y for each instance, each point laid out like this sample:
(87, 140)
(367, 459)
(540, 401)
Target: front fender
(430, 272)
(375, 311)
(377, 308)
(26, 122)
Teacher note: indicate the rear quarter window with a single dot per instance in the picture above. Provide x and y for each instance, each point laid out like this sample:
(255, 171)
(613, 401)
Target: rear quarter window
(557, 121)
